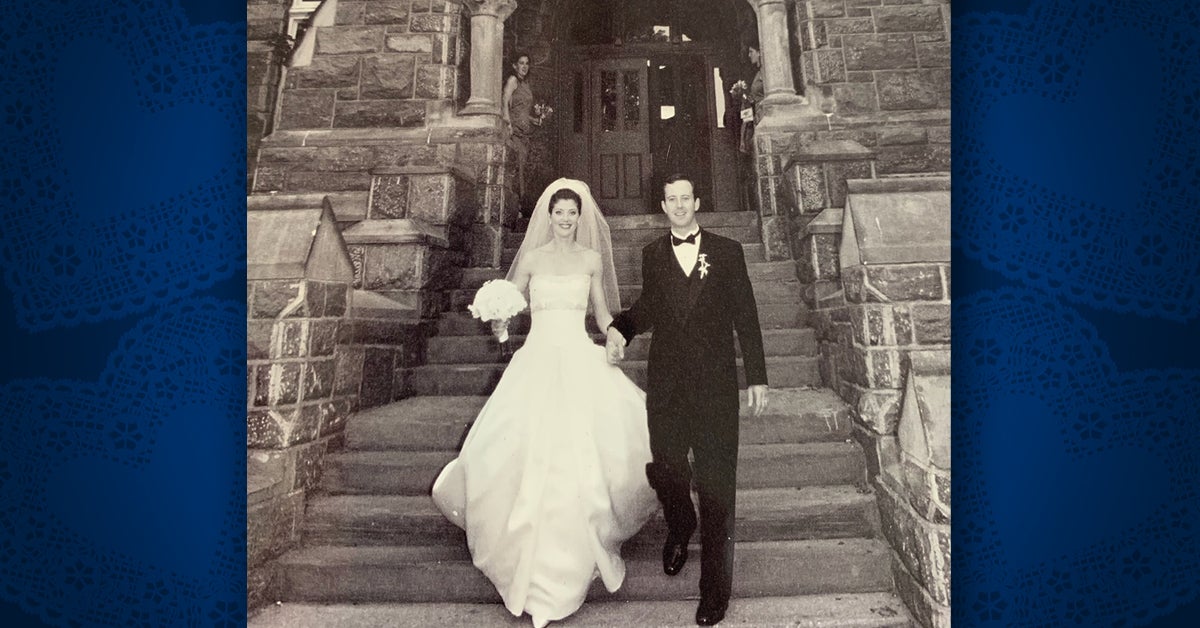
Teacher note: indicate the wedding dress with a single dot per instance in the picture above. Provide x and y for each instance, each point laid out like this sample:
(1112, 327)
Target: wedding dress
(551, 478)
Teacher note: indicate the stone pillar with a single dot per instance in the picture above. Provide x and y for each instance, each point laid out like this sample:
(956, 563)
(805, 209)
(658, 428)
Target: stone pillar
(487, 54)
(773, 44)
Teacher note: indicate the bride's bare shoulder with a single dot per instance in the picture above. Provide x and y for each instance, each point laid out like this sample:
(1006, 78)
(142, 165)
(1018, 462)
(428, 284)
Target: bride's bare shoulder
(528, 262)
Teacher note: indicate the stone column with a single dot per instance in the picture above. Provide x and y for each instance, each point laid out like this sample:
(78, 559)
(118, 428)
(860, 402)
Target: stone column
(487, 53)
(773, 44)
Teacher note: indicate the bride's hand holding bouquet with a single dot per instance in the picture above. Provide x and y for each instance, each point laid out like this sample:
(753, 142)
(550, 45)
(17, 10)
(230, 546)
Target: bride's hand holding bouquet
(497, 301)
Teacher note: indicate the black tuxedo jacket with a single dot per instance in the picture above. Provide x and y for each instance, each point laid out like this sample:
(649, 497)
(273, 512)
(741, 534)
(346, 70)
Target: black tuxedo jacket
(694, 319)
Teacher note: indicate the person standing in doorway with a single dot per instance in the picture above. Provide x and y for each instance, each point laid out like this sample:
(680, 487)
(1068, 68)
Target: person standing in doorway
(518, 117)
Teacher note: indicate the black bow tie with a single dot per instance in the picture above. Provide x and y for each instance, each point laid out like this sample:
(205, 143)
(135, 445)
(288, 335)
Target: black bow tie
(690, 239)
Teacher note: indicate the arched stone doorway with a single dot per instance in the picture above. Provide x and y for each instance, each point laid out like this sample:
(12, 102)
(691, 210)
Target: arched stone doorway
(640, 89)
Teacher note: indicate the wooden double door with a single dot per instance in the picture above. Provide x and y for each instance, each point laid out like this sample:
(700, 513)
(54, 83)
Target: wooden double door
(632, 120)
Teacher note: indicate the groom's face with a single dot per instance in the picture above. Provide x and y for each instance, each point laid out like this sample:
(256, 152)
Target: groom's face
(680, 204)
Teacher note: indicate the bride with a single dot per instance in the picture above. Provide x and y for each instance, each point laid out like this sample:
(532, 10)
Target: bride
(551, 477)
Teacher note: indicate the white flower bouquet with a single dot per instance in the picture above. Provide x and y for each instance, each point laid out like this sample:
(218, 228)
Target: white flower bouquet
(541, 111)
(496, 302)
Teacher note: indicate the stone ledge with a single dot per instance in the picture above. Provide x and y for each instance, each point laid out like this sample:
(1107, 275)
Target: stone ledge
(827, 150)
(931, 362)
(828, 221)
(924, 427)
(451, 169)
(900, 183)
(395, 231)
(296, 244)
(368, 304)
(347, 206)
(266, 476)
(899, 220)
(454, 129)
(887, 118)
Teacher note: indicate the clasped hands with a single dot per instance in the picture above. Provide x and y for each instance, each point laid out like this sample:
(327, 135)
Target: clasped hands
(614, 345)
(756, 395)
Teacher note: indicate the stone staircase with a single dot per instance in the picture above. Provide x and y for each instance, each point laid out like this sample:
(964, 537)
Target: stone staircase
(809, 549)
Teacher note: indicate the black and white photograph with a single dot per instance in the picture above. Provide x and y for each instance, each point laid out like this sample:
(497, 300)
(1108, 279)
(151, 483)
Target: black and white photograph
(598, 313)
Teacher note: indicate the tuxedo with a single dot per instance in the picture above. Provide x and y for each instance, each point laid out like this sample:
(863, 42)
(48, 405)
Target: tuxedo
(692, 388)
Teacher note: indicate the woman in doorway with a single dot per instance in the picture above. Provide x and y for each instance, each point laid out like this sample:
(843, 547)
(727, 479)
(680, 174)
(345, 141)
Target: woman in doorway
(753, 96)
(518, 116)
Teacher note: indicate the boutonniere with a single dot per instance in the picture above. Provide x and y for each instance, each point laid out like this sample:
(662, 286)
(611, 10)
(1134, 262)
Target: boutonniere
(703, 259)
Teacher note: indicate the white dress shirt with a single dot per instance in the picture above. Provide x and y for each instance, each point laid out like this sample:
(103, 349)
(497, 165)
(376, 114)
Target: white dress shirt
(686, 253)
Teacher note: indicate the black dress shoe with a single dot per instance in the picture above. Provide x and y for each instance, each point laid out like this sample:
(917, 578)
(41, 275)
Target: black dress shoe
(674, 556)
(711, 613)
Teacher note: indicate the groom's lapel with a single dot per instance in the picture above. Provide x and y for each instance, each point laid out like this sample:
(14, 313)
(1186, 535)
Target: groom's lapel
(696, 280)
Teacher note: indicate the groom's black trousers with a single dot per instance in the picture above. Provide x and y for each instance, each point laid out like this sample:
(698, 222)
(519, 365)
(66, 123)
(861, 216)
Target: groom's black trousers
(691, 419)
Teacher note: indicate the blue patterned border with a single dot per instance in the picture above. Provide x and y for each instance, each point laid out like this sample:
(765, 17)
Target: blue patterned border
(122, 461)
(1076, 183)
(1076, 161)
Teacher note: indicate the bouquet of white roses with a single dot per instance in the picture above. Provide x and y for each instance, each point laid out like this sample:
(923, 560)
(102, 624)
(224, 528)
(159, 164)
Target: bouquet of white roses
(497, 301)
(739, 89)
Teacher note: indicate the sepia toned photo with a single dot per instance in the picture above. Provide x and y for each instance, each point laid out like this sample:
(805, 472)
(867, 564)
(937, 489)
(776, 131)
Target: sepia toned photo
(598, 313)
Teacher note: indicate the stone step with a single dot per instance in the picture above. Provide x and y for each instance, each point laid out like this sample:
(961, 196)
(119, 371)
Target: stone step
(814, 512)
(631, 254)
(793, 415)
(835, 610)
(433, 574)
(485, 349)
(461, 323)
(481, 379)
(766, 292)
(759, 466)
(632, 274)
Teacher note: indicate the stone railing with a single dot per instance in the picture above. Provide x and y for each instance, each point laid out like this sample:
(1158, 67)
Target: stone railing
(880, 301)
(913, 489)
(423, 225)
(297, 296)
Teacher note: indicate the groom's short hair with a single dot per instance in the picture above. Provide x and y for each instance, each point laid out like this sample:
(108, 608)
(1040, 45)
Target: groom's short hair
(676, 178)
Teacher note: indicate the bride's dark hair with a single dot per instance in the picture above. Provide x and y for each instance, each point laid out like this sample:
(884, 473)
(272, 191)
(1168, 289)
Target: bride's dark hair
(563, 194)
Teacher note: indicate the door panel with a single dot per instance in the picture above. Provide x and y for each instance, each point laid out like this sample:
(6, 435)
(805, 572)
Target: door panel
(619, 120)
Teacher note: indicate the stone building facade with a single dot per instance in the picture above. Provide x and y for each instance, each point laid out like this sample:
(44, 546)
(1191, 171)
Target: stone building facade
(387, 113)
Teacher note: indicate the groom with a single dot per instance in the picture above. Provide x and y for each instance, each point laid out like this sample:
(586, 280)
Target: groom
(695, 293)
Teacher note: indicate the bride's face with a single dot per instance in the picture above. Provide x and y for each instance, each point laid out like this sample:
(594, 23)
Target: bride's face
(565, 217)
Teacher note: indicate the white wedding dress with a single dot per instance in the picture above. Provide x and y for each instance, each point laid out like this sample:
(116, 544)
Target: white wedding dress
(551, 478)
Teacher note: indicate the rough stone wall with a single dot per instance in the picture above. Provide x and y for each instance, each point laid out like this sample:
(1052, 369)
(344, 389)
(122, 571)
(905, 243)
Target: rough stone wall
(771, 155)
(813, 186)
(883, 68)
(913, 489)
(383, 89)
(889, 310)
(265, 19)
(382, 64)
(297, 404)
(422, 228)
(884, 336)
(376, 353)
